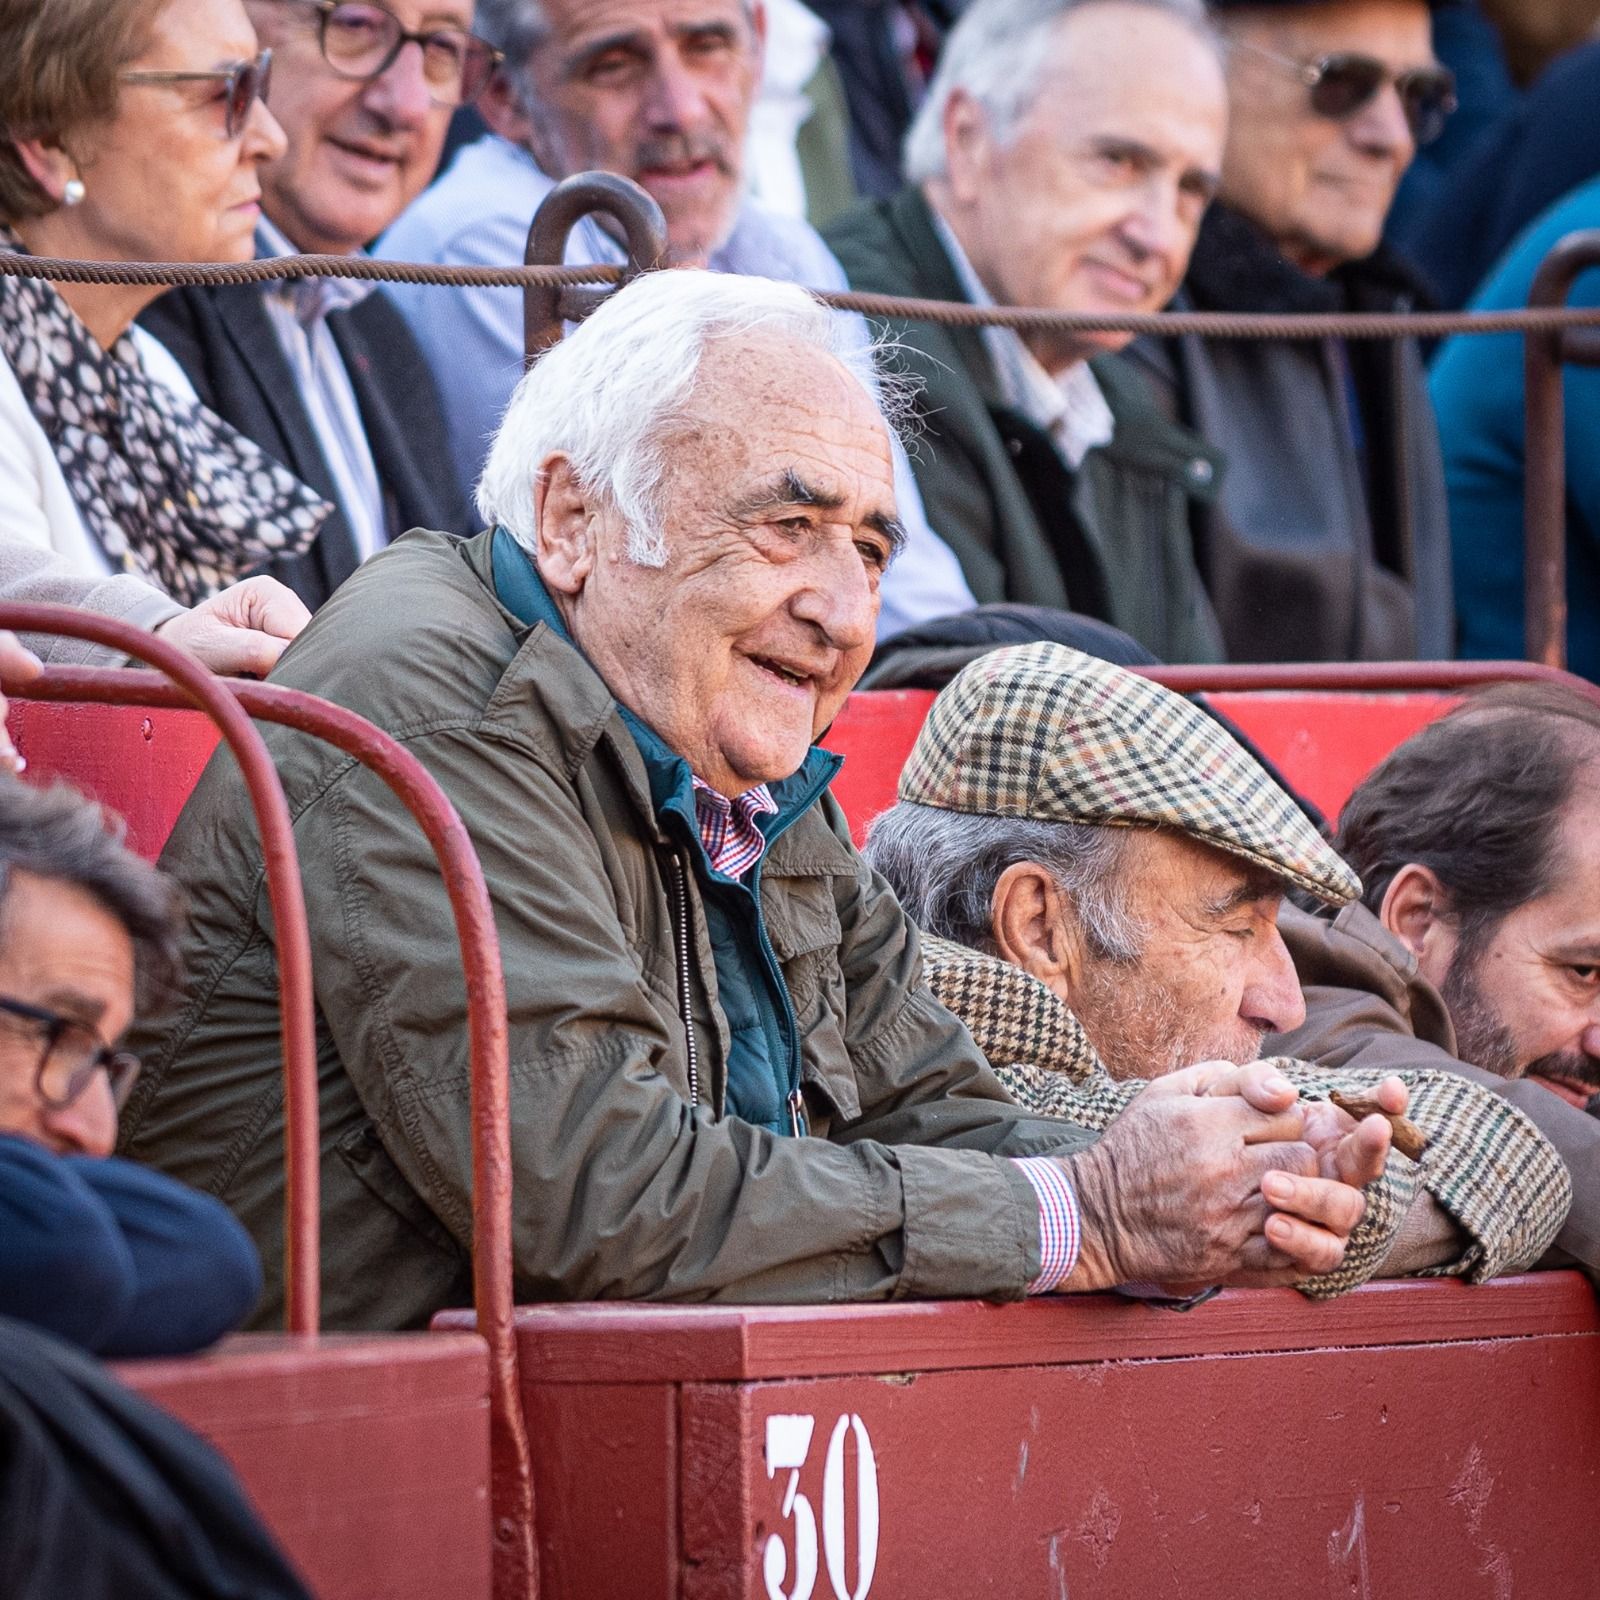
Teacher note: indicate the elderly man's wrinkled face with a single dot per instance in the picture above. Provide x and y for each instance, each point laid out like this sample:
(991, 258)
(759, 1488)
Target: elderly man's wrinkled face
(657, 90)
(61, 952)
(1212, 976)
(359, 151)
(779, 519)
(1525, 999)
(1320, 188)
(1094, 201)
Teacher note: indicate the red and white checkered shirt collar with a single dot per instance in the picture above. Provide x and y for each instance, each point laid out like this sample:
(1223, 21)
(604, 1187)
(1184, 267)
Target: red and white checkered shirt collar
(728, 827)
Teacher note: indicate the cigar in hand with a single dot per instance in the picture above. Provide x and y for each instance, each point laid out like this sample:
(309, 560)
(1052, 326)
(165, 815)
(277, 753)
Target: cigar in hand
(1408, 1138)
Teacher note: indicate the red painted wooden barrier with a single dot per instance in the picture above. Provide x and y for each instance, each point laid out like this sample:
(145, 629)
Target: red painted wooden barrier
(368, 1457)
(1323, 742)
(142, 764)
(1413, 1440)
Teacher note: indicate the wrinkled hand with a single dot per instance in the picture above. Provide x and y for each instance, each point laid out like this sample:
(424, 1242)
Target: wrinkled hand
(241, 630)
(1349, 1151)
(1206, 1177)
(18, 664)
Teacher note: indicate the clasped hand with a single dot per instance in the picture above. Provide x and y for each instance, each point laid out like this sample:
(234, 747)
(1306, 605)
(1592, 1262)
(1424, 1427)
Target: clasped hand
(1221, 1174)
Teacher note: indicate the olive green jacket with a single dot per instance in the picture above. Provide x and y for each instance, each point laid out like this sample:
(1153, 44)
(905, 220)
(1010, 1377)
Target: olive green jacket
(1112, 540)
(623, 1187)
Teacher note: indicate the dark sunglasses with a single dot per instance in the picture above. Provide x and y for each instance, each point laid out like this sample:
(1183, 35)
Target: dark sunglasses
(1344, 83)
(362, 41)
(243, 85)
(73, 1053)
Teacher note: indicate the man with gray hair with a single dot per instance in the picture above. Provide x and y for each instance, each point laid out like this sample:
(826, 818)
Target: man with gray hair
(1063, 158)
(1102, 868)
(659, 91)
(728, 1080)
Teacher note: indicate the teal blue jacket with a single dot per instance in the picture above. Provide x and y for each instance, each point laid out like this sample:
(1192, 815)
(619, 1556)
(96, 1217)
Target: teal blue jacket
(763, 1085)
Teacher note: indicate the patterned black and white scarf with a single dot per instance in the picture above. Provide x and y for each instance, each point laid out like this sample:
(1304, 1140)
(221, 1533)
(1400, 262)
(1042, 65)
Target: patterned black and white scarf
(173, 494)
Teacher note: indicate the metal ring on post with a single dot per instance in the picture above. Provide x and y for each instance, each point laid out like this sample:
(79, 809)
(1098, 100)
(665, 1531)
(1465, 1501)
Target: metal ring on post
(1544, 520)
(644, 228)
(195, 685)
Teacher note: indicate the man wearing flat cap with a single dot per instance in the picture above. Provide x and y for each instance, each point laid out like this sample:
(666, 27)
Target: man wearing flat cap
(1102, 868)
(1329, 539)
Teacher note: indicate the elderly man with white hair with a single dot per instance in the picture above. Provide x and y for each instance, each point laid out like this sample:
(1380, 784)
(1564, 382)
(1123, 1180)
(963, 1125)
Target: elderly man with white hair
(728, 1079)
(1063, 158)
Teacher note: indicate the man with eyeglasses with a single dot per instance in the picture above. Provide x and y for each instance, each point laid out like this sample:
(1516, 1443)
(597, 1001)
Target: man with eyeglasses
(1330, 537)
(323, 372)
(114, 1257)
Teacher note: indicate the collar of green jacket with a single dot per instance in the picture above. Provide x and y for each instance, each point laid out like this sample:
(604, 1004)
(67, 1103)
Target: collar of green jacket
(522, 592)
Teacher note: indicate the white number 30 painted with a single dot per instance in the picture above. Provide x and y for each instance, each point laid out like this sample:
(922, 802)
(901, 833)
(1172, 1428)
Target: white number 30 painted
(788, 1446)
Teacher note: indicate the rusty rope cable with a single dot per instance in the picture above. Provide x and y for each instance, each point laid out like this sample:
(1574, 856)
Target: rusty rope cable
(1208, 324)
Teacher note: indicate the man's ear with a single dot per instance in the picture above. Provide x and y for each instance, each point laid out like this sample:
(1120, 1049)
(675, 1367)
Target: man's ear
(1034, 927)
(966, 147)
(502, 106)
(564, 519)
(1416, 910)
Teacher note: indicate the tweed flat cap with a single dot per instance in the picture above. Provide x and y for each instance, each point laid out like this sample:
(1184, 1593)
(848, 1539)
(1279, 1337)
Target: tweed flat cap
(1041, 731)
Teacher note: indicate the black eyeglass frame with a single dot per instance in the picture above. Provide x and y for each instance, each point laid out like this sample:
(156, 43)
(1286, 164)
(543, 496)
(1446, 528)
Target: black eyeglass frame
(246, 81)
(1426, 123)
(475, 48)
(121, 1067)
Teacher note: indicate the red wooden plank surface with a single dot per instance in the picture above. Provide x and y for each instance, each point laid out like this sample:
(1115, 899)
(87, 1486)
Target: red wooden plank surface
(1456, 1472)
(1413, 1440)
(1324, 744)
(368, 1457)
(140, 763)
(609, 1344)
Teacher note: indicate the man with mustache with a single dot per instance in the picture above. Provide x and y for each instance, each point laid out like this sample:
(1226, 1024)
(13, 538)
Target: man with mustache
(322, 372)
(659, 91)
(1063, 158)
(1329, 539)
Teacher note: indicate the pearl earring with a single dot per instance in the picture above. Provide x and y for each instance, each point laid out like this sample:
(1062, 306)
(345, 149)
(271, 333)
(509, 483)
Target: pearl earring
(72, 192)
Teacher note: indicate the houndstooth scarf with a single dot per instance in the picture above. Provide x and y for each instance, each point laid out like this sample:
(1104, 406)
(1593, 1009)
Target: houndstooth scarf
(1487, 1165)
(173, 494)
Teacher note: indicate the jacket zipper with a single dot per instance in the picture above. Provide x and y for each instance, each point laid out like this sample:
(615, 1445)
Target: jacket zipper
(680, 916)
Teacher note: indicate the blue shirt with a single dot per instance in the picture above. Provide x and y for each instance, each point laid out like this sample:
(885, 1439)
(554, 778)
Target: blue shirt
(1477, 386)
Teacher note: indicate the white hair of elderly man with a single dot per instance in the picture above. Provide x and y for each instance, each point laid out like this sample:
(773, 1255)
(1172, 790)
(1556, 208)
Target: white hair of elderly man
(997, 54)
(606, 396)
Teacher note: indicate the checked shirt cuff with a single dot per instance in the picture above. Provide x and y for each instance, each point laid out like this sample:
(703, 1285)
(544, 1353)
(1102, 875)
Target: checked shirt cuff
(1059, 1227)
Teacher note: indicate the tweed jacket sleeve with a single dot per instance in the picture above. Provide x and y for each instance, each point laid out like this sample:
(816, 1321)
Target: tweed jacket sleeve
(1486, 1165)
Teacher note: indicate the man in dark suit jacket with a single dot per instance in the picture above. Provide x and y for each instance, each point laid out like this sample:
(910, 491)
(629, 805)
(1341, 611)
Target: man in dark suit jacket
(323, 373)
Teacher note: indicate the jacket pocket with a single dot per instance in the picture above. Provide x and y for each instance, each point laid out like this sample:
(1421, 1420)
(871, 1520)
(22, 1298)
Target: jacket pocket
(363, 1156)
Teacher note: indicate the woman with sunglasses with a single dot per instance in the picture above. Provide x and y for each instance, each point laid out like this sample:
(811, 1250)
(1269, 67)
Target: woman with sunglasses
(116, 1258)
(133, 130)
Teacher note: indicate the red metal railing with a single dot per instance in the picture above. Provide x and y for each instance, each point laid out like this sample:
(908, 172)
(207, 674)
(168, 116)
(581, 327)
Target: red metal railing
(194, 685)
(232, 703)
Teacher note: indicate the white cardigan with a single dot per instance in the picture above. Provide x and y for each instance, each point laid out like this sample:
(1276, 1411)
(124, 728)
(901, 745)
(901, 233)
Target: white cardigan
(46, 551)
